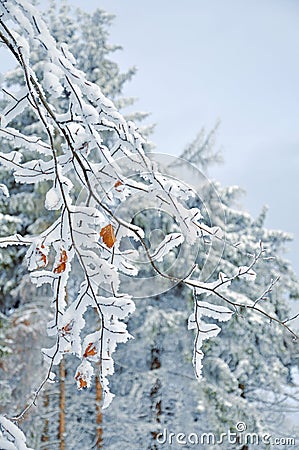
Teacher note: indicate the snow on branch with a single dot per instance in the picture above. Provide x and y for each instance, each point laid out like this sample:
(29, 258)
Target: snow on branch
(204, 330)
(83, 145)
(91, 232)
(11, 437)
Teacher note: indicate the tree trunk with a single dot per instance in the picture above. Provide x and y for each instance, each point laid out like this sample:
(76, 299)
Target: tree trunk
(242, 388)
(45, 434)
(99, 415)
(61, 428)
(155, 394)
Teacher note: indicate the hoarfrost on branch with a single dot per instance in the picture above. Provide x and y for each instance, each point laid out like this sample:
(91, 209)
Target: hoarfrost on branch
(94, 141)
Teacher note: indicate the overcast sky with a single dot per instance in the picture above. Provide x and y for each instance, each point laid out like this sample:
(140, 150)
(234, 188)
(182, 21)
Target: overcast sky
(234, 60)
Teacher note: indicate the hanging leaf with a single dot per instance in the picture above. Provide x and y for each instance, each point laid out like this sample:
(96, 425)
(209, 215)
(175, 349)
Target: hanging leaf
(90, 350)
(81, 382)
(62, 262)
(84, 374)
(41, 257)
(108, 236)
(67, 328)
(117, 184)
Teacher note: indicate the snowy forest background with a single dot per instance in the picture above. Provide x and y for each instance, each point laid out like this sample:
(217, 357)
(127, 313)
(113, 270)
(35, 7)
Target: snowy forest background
(250, 370)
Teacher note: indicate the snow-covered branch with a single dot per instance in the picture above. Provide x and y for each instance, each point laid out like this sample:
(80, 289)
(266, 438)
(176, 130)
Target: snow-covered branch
(92, 164)
(84, 153)
(11, 437)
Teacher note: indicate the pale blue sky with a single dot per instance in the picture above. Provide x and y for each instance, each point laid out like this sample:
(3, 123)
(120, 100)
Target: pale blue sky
(236, 60)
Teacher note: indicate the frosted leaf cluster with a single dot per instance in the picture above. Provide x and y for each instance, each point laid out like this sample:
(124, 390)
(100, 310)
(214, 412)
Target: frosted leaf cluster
(87, 148)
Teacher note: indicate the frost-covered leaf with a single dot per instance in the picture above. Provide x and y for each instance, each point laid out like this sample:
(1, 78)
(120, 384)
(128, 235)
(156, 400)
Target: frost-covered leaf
(61, 266)
(169, 242)
(204, 330)
(108, 236)
(53, 199)
(84, 374)
(15, 239)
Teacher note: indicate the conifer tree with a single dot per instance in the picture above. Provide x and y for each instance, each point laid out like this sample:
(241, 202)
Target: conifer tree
(89, 243)
(249, 372)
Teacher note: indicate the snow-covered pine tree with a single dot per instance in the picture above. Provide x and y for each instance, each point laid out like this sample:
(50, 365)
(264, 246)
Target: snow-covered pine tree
(252, 381)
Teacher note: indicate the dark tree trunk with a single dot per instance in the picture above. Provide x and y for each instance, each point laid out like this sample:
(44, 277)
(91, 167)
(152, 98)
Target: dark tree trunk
(242, 388)
(61, 427)
(155, 395)
(45, 434)
(99, 414)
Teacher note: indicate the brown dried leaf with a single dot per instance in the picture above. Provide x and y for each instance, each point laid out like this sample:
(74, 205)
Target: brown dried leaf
(82, 382)
(67, 328)
(90, 350)
(117, 184)
(62, 262)
(60, 268)
(108, 236)
(41, 259)
(63, 256)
